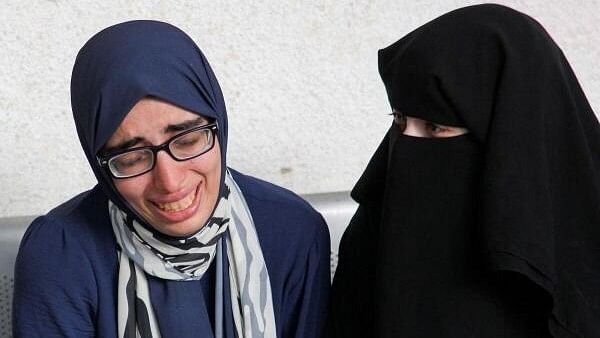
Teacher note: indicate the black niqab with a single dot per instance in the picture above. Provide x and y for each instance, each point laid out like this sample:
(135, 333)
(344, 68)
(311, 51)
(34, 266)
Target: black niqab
(495, 233)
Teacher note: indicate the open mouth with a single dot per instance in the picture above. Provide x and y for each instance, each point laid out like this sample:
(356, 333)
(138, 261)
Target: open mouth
(181, 209)
(182, 204)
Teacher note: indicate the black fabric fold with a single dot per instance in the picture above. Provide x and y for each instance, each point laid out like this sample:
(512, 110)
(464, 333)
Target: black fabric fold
(531, 229)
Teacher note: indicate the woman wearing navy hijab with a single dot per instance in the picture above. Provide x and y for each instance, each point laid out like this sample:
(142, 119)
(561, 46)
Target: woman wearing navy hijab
(171, 242)
(479, 212)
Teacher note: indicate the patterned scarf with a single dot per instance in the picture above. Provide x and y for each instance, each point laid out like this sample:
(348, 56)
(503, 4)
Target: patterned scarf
(141, 253)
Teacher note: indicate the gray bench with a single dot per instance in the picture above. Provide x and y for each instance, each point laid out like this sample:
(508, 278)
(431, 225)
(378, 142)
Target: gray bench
(337, 208)
(11, 231)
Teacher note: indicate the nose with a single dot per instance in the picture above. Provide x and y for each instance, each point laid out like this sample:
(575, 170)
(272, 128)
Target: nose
(167, 173)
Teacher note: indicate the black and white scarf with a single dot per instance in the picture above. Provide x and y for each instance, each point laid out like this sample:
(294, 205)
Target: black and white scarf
(141, 253)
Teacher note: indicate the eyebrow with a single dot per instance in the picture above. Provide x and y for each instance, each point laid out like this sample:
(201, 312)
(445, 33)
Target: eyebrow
(171, 128)
(185, 125)
(123, 145)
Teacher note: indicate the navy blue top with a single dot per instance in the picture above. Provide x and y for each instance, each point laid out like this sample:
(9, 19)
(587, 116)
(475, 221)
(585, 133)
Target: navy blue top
(67, 271)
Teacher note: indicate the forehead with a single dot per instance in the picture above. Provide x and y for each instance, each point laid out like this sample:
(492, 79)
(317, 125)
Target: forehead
(152, 112)
(150, 118)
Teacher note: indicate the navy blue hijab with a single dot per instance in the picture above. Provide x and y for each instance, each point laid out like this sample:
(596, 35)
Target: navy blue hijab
(129, 61)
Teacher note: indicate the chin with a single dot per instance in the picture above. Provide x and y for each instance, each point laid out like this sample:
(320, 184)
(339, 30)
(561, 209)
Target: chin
(182, 229)
(180, 223)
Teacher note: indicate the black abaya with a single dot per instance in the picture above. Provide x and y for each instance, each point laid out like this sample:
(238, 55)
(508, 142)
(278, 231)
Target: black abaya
(495, 233)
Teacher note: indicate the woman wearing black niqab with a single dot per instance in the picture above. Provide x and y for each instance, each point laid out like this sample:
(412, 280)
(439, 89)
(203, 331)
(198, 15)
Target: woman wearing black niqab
(492, 233)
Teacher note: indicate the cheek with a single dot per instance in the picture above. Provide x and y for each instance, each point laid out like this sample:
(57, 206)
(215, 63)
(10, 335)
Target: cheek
(131, 189)
(209, 165)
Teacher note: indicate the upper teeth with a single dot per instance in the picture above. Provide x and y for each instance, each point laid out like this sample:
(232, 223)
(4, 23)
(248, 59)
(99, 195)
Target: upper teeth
(177, 205)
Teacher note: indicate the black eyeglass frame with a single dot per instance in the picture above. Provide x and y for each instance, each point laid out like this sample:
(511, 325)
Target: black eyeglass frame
(103, 160)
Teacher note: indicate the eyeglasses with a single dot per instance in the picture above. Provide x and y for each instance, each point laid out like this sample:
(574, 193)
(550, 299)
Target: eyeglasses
(181, 147)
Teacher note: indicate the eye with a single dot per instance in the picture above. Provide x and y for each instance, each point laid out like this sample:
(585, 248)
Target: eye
(435, 128)
(131, 159)
(187, 140)
(438, 130)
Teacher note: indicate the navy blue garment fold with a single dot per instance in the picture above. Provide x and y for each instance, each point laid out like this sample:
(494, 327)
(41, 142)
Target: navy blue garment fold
(81, 301)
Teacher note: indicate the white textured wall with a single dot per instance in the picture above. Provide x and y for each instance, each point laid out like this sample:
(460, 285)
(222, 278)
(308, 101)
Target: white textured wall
(306, 106)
